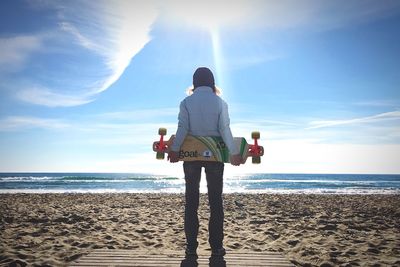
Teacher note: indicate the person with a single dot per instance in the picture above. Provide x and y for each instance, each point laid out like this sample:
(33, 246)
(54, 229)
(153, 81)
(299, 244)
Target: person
(204, 113)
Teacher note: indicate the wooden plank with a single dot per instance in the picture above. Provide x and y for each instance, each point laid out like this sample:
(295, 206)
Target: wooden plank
(116, 257)
(122, 260)
(149, 262)
(167, 252)
(232, 256)
(179, 263)
(88, 259)
(156, 257)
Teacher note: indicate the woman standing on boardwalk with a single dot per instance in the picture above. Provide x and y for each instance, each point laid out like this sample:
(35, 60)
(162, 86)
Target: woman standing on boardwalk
(204, 113)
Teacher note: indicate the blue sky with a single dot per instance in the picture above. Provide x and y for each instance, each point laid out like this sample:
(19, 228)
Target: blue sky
(85, 85)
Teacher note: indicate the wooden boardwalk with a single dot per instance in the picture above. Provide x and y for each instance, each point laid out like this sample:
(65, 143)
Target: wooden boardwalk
(117, 257)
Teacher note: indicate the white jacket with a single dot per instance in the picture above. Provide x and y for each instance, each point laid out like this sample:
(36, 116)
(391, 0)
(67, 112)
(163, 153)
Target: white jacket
(204, 114)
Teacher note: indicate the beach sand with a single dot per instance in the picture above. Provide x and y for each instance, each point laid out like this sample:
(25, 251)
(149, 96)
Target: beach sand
(309, 230)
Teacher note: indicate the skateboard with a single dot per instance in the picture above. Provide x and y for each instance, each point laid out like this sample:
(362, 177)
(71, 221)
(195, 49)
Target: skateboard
(209, 148)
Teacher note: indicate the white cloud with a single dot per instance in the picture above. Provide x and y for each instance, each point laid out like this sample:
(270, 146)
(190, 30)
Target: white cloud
(141, 114)
(46, 97)
(382, 128)
(337, 14)
(116, 30)
(285, 156)
(302, 156)
(288, 148)
(142, 135)
(291, 148)
(382, 117)
(131, 32)
(207, 14)
(111, 33)
(82, 40)
(257, 28)
(277, 15)
(13, 123)
(379, 103)
(15, 51)
(145, 162)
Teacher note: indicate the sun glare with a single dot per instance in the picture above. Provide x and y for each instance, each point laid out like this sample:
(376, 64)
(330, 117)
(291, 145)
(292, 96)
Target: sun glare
(218, 59)
(214, 18)
(207, 14)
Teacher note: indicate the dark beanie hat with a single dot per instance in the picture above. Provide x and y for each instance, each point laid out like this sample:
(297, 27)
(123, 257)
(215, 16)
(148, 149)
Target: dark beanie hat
(203, 77)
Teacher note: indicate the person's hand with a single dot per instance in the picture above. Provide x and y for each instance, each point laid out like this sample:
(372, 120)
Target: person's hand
(173, 156)
(236, 160)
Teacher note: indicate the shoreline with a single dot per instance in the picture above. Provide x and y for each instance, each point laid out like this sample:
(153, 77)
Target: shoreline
(343, 192)
(308, 229)
(262, 183)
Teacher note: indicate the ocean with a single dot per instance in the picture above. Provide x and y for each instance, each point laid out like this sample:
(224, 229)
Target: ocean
(147, 183)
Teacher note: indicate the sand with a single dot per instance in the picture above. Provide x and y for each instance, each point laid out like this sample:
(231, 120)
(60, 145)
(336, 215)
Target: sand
(309, 230)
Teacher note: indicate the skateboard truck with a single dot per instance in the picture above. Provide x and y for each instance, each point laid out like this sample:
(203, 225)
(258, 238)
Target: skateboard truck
(161, 147)
(255, 151)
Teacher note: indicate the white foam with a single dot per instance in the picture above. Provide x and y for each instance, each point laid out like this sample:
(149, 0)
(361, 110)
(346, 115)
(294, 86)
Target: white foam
(342, 191)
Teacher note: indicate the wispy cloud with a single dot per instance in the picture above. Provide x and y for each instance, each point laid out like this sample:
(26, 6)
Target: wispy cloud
(15, 51)
(82, 40)
(261, 28)
(288, 146)
(132, 22)
(387, 116)
(293, 151)
(382, 128)
(141, 135)
(140, 114)
(379, 103)
(268, 122)
(13, 123)
(279, 15)
(94, 43)
(107, 35)
(321, 15)
(46, 97)
(124, 28)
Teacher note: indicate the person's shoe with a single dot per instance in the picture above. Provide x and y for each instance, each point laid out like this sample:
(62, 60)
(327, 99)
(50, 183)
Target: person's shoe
(220, 252)
(190, 252)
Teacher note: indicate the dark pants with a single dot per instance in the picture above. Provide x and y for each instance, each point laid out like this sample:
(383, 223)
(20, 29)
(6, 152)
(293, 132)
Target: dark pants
(214, 175)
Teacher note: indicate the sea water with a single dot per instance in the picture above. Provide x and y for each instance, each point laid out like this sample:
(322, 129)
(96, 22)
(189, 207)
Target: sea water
(148, 183)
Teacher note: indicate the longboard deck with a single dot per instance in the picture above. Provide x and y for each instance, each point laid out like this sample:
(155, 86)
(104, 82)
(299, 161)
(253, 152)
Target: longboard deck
(209, 149)
(206, 148)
